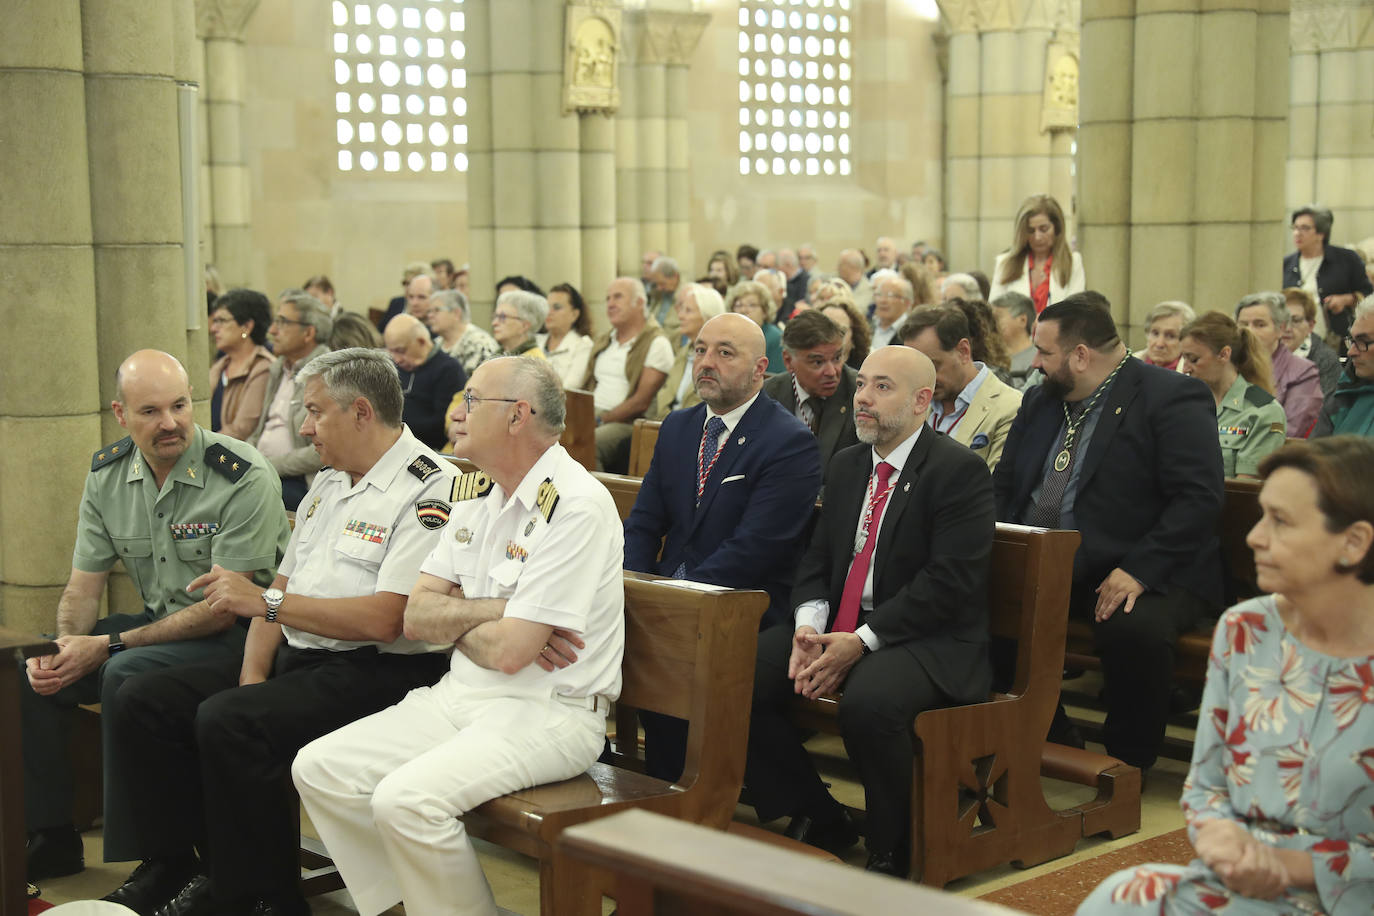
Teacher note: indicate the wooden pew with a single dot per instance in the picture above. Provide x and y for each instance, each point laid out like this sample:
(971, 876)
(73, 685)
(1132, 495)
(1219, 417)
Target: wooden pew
(642, 442)
(579, 431)
(997, 750)
(662, 867)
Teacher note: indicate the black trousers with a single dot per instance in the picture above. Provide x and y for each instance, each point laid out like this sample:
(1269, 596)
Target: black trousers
(1137, 652)
(882, 696)
(209, 762)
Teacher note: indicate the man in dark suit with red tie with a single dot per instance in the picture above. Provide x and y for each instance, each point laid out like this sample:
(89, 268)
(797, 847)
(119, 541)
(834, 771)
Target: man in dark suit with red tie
(728, 495)
(890, 606)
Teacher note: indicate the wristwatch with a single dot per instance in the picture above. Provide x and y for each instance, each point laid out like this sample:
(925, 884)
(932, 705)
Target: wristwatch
(116, 643)
(273, 598)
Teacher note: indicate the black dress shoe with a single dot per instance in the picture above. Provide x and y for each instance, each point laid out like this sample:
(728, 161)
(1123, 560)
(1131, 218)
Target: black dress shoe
(152, 884)
(198, 898)
(888, 863)
(1064, 731)
(290, 904)
(834, 835)
(55, 853)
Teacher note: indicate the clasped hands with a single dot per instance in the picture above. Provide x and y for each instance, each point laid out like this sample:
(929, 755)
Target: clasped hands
(1244, 864)
(820, 661)
(76, 657)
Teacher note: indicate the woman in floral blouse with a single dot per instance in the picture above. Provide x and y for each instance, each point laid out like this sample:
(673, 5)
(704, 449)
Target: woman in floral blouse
(1280, 797)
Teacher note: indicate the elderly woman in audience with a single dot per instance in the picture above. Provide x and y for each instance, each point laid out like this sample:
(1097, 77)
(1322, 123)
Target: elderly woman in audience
(1280, 797)
(696, 305)
(753, 299)
(238, 379)
(1039, 262)
(515, 319)
(450, 321)
(567, 337)
(1297, 384)
(722, 271)
(1250, 421)
(353, 330)
(1334, 276)
(858, 339)
(775, 282)
(1163, 333)
(1301, 337)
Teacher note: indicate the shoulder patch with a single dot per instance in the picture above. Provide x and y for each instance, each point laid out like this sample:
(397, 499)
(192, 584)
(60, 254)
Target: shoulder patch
(471, 485)
(1258, 396)
(432, 513)
(423, 468)
(226, 462)
(547, 498)
(111, 453)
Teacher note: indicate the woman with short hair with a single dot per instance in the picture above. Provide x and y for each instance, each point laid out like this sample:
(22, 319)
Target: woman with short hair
(238, 379)
(515, 319)
(1164, 333)
(1280, 797)
(753, 299)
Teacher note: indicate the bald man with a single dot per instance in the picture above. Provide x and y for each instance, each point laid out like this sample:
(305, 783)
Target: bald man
(168, 500)
(429, 378)
(850, 267)
(731, 486)
(890, 607)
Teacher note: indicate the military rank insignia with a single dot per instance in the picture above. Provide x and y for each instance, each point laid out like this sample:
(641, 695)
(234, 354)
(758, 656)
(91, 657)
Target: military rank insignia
(471, 485)
(313, 506)
(432, 513)
(463, 535)
(423, 468)
(367, 531)
(225, 462)
(112, 453)
(189, 531)
(547, 498)
(515, 552)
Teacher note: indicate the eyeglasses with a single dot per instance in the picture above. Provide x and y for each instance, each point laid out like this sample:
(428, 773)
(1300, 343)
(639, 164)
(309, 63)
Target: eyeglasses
(280, 320)
(1359, 344)
(501, 316)
(469, 399)
(220, 322)
(1298, 227)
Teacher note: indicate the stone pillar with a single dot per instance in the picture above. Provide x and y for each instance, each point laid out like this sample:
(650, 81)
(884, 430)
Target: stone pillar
(1331, 116)
(598, 210)
(88, 115)
(652, 145)
(999, 147)
(1181, 165)
(227, 217)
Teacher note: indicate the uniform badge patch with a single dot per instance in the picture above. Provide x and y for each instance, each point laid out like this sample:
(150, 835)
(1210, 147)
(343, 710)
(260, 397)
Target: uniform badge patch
(189, 531)
(313, 506)
(463, 535)
(112, 452)
(529, 528)
(471, 485)
(367, 531)
(432, 513)
(225, 462)
(515, 552)
(547, 498)
(422, 467)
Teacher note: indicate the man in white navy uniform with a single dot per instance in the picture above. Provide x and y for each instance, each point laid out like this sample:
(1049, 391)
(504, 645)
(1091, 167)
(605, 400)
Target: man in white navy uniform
(212, 742)
(532, 554)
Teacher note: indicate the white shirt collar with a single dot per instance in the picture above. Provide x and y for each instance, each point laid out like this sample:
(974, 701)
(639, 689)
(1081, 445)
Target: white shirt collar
(731, 418)
(965, 397)
(899, 455)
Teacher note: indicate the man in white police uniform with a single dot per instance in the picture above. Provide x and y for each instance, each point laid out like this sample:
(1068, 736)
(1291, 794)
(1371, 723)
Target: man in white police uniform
(531, 555)
(211, 743)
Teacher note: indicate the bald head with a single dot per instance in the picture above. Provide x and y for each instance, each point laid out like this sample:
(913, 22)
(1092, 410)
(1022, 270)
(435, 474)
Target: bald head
(153, 402)
(162, 371)
(850, 266)
(892, 396)
(728, 361)
(407, 340)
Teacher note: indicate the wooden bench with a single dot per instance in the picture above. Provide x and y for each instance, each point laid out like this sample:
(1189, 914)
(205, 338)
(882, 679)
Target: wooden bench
(579, 430)
(1240, 511)
(642, 442)
(661, 866)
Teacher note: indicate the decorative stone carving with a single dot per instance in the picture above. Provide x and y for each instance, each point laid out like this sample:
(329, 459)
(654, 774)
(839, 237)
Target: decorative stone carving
(1059, 104)
(669, 38)
(1331, 25)
(223, 18)
(591, 56)
(1010, 15)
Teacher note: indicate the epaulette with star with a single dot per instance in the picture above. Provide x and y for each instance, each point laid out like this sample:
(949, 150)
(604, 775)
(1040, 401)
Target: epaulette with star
(226, 462)
(472, 485)
(112, 453)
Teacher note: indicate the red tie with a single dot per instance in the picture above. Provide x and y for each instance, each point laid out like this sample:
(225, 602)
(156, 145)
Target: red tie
(848, 618)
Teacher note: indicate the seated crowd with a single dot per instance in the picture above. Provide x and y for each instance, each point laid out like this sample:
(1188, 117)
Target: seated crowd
(426, 640)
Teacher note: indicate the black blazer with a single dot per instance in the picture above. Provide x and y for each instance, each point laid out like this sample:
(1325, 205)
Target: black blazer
(836, 421)
(930, 585)
(1341, 272)
(1151, 488)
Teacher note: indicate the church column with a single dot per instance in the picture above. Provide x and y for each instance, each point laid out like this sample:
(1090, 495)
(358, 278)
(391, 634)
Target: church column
(1331, 144)
(597, 135)
(557, 169)
(88, 111)
(228, 215)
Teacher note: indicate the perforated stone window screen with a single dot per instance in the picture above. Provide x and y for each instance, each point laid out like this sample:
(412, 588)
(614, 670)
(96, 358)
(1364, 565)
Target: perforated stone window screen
(399, 77)
(794, 87)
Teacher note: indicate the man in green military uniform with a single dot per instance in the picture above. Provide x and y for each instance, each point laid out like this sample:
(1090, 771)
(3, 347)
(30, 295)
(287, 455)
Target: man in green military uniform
(169, 500)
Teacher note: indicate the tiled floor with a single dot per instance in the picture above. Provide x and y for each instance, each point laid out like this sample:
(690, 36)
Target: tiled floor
(515, 879)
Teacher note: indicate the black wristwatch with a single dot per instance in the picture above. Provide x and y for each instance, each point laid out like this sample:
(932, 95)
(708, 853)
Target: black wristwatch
(117, 643)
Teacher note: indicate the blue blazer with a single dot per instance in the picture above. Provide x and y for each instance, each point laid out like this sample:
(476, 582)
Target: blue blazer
(755, 511)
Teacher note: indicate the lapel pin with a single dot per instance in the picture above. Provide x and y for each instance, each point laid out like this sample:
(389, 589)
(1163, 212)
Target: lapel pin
(1118, 411)
(741, 441)
(906, 488)
(843, 409)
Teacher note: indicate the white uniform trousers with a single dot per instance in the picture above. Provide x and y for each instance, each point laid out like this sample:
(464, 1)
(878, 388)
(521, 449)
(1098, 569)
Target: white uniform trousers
(385, 792)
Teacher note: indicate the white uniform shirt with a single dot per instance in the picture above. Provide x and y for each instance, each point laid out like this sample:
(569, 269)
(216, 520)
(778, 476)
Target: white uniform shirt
(612, 387)
(360, 539)
(554, 552)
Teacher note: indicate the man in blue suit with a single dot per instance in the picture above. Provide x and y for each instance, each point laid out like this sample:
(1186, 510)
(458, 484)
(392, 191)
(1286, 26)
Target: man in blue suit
(729, 494)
